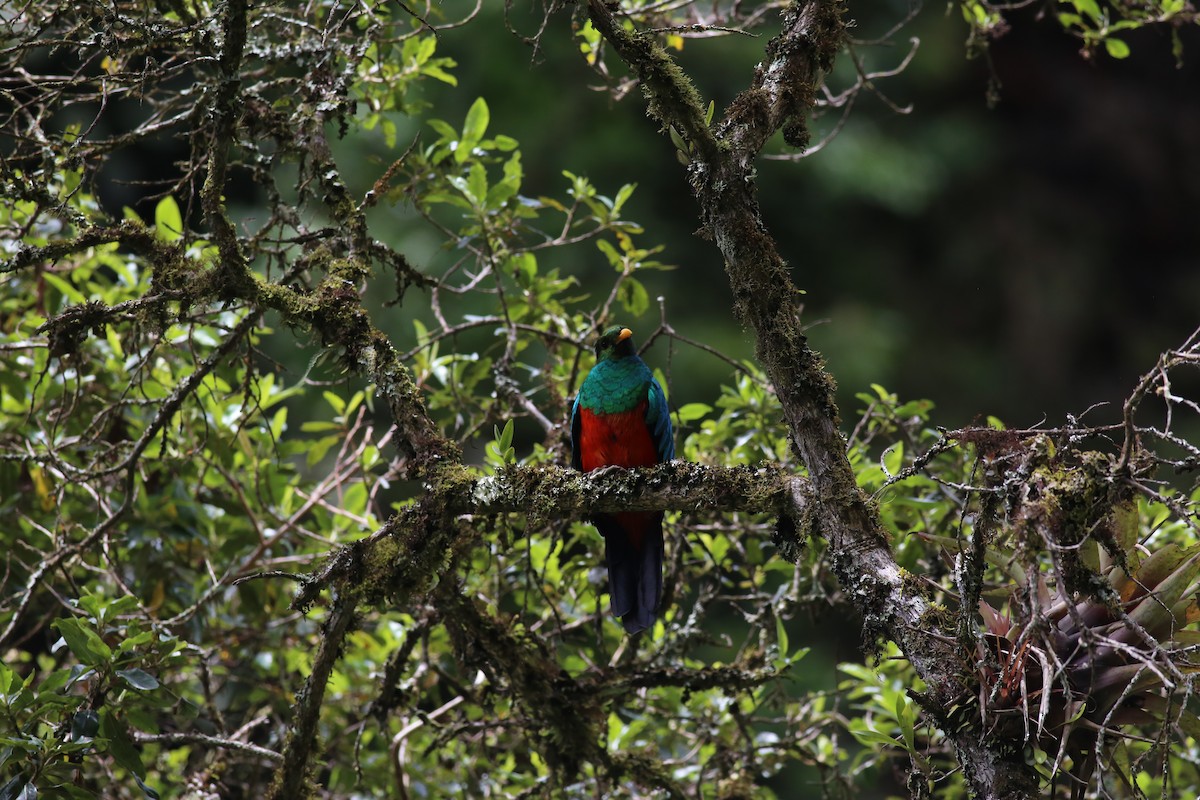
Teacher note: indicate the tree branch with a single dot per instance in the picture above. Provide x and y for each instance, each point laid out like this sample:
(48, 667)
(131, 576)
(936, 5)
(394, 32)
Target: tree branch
(211, 741)
(409, 551)
(302, 731)
(722, 179)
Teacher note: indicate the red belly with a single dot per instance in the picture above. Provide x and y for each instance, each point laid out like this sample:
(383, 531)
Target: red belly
(615, 440)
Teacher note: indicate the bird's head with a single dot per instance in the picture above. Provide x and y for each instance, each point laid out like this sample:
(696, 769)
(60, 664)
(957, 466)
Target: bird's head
(615, 342)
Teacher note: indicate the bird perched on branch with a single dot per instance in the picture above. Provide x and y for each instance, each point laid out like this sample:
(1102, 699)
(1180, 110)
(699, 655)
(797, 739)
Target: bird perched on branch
(620, 419)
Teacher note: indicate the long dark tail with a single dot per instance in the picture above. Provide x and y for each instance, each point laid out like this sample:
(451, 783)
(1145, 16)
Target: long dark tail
(633, 548)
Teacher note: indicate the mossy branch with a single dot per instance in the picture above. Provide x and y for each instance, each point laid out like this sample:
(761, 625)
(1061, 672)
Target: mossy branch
(563, 713)
(781, 93)
(410, 553)
(226, 111)
(293, 773)
(671, 98)
(134, 236)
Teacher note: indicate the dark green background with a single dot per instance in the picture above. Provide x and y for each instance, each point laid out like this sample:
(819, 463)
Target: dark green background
(1025, 261)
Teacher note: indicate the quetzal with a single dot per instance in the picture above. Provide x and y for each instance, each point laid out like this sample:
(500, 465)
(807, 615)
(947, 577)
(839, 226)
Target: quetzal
(620, 419)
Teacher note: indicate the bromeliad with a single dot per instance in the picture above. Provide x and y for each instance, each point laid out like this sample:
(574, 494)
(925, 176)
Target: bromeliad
(620, 419)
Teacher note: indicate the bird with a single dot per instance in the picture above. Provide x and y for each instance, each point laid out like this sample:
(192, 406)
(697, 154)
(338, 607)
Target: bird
(620, 418)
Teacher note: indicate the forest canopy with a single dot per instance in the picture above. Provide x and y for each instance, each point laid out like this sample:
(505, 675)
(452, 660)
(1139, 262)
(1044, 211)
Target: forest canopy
(292, 323)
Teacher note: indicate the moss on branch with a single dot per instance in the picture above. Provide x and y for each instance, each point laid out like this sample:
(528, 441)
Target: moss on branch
(671, 98)
(411, 552)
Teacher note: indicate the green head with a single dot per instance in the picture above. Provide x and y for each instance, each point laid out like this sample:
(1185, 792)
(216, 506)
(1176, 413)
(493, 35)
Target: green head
(614, 343)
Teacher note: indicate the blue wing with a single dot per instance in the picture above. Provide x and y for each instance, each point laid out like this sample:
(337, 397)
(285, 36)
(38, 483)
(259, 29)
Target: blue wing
(658, 420)
(576, 456)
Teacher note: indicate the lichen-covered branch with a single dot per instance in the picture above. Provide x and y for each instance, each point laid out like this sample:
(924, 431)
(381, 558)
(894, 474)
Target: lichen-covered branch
(766, 301)
(227, 108)
(302, 731)
(410, 551)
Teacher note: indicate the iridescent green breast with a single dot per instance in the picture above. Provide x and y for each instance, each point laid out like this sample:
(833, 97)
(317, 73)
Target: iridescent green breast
(614, 386)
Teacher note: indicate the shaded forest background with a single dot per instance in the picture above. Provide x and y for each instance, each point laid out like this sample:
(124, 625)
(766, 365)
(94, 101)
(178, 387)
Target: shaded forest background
(1024, 260)
(1021, 245)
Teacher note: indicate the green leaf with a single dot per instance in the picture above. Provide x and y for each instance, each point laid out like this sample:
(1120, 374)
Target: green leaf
(623, 194)
(138, 679)
(870, 737)
(906, 717)
(506, 435)
(692, 411)
(524, 268)
(1089, 7)
(915, 408)
(126, 604)
(859, 672)
(610, 252)
(475, 126)
(318, 448)
(168, 222)
(120, 745)
(424, 49)
(64, 286)
(1116, 48)
(279, 423)
(444, 130)
(84, 642)
(633, 297)
(28, 744)
(1154, 612)
(677, 139)
(353, 403)
(421, 331)
(437, 73)
(477, 184)
(52, 682)
(506, 189)
(85, 724)
(1127, 524)
(505, 143)
(335, 402)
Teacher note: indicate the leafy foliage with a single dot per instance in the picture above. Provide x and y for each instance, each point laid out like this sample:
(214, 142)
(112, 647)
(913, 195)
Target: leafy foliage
(1095, 24)
(178, 452)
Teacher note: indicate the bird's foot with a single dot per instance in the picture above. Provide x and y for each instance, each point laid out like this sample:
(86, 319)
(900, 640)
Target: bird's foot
(603, 472)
